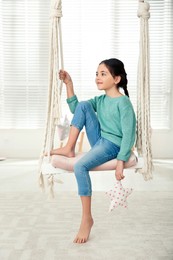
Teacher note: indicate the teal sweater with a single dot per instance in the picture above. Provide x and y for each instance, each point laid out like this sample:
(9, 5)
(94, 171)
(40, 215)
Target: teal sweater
(117, 120)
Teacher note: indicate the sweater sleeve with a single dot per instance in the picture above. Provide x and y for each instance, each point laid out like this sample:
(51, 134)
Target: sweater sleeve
(72, 103)
(128, 126)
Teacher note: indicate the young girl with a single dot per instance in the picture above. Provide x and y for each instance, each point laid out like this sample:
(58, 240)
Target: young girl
(110, 126)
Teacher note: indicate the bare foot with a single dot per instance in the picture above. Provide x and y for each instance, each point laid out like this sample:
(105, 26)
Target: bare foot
(84, 231)
(63, 151)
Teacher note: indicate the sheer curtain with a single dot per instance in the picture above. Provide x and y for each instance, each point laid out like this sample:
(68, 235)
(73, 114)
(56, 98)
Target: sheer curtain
(92, 31)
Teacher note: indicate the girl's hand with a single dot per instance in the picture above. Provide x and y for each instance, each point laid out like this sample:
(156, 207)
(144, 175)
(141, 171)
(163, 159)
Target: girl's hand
(119, 171)
(65, 77)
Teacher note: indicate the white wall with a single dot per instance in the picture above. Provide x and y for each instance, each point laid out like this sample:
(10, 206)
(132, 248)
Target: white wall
(29, 143)
(21, 143)
(162, 144)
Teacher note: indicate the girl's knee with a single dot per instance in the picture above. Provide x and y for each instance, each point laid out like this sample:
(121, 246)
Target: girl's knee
(77, 168)
(84, 104)
(80, 170)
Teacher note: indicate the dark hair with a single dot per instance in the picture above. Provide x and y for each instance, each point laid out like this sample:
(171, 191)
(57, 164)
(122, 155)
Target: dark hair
(116, 68)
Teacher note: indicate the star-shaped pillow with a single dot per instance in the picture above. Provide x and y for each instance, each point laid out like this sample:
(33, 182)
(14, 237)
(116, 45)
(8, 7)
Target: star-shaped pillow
(118, 196)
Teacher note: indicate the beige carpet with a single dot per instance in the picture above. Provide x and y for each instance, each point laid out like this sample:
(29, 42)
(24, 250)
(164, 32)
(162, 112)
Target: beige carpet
(33, 227)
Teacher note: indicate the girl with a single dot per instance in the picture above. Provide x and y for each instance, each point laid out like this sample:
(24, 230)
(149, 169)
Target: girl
(110, 126)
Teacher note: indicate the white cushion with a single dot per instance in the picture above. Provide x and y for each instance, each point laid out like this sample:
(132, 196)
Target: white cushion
(66, 163)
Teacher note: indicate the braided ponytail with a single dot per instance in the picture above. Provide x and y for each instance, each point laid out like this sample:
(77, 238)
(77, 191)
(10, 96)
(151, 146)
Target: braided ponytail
(123, 83)
(125, 91)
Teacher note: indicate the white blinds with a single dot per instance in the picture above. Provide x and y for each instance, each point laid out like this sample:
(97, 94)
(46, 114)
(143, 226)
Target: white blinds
(161, 41)
(92, 31)
(23, 59)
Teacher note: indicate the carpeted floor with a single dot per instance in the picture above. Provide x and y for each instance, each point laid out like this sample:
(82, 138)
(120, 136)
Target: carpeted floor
(35, 227)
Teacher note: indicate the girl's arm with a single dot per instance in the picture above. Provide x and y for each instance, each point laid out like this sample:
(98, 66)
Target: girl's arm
(119, 170)
(128, 124)
(71, 97)
(63, 75)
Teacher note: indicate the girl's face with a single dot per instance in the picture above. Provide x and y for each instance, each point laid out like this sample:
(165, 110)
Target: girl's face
(104, 79)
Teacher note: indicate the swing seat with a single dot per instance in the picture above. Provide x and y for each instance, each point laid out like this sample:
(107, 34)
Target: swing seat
(60, 164)
(65, 163)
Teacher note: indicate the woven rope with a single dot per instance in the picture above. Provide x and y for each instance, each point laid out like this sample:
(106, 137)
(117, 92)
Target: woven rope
(54, 85)
(143, 94)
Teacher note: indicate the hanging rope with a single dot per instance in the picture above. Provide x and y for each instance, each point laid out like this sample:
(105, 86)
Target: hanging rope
(55, 86)
(143, 93)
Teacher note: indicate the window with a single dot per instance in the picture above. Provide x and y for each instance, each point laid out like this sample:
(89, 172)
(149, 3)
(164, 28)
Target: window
(92, 31)
(23, 63)
(161, 61)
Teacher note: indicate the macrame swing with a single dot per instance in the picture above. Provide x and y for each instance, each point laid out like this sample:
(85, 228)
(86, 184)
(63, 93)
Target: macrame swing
(50, 166)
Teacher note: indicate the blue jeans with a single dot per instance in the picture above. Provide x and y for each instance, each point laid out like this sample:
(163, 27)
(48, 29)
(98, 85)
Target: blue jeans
(102, 150)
